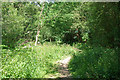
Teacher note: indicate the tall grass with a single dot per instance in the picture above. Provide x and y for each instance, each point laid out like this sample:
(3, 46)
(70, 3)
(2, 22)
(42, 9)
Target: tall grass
(33, 62)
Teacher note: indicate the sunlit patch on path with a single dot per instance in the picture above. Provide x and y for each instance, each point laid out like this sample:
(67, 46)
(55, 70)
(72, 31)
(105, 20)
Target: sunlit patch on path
(63, 71)
(63, 67)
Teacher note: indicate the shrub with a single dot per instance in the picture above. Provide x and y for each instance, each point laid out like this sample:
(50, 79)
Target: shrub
(95, 62)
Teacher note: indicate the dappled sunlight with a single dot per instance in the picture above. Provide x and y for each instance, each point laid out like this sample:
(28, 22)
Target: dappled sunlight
(60, 40)
(63, 67)
(65, 61)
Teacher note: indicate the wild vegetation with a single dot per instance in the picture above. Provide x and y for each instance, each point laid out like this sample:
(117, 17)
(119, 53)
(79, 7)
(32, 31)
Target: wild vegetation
(33, 62)
(94, 62)
(35, 36)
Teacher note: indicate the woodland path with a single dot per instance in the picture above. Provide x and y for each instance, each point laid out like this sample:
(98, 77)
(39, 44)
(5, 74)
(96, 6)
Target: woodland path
(63, 68)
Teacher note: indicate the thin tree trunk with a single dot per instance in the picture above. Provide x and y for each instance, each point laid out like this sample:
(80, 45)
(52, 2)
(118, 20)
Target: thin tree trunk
(37, 37)
(38, 26)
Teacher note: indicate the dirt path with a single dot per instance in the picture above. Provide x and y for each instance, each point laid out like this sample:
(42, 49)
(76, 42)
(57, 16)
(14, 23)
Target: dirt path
(63, 67)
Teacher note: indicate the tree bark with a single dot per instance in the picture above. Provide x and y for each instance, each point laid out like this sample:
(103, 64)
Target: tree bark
(38, 31)
(37, 37)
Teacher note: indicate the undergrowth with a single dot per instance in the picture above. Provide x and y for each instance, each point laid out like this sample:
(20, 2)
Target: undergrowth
(33, 61)
(94, 62)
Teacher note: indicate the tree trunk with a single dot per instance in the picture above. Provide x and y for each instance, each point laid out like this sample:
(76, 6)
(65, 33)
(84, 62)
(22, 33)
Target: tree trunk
(39, 27)
(37, 37)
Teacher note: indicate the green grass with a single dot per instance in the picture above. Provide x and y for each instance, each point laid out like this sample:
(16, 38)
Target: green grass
(94, 62)
(33, 62)
(40, 61)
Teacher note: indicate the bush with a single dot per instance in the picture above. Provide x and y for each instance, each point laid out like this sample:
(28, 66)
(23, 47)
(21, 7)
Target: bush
(94, 62)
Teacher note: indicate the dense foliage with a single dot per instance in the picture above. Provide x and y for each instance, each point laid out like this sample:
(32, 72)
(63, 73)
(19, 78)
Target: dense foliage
(94, 62)
(93, 27)
(57, 22)
(104, 24)
(74, 22)
(33, 62)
